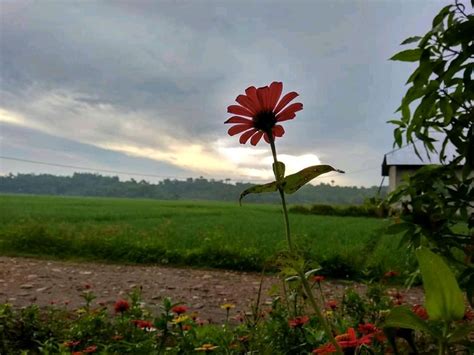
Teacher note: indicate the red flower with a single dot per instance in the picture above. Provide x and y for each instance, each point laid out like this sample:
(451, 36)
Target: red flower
(318, 278)
(367, 328)
(468, 315)
(143, 324)
(90, 349)
(347, 340)
(71, 344)
(298, 321)
(420, 311)
(331, 304)
(179, 309)
(121, 306)
(325, 349)
(262, 110)
(390, 274)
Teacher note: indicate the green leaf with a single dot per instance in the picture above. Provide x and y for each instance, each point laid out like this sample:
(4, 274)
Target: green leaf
(444, 299)
(403, 317)
(397, 228)
(411, 40)
(446, 109)
(441, 15)
(279, 170)
(258, 189)
(409, 55)
(291, 183)
(294, 182)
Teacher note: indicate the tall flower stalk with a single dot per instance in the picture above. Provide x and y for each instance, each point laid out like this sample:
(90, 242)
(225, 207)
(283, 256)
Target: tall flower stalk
(259, 114)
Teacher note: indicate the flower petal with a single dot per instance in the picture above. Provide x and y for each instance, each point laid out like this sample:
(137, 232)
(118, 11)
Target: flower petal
(239, 110)
(251, 93)
(263, 94)
(246, 103)
(256, 138)
(275, 93)
(238, 119)
(278, 131)
(285, 100)
(238, 129)
(245, 137)
(289, 112)
(267, 139)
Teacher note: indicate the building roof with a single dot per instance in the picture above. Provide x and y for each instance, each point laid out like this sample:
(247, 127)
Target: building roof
(406, 156)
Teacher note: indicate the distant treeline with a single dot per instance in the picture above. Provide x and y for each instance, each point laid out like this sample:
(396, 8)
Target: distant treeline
(86, 184)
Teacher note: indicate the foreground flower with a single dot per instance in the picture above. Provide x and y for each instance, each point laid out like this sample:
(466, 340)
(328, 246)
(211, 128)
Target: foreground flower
(71, 344)
(347, 340)
(90, 349)
(468, 315)
(420, 311)
(331, 304)
(259, 111)
(206, 348)
(391, 274)
(367, 328)
(143, 324)
(121, 306)
(298, 321)
(179, 309)
(318, 278)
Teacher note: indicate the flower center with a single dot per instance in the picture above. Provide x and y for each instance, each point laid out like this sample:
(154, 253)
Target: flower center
(264, 121)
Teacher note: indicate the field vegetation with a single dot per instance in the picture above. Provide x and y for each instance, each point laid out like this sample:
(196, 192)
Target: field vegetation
(204, 234)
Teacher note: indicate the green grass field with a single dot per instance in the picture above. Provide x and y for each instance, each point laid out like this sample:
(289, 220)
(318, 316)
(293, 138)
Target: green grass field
(204, 234)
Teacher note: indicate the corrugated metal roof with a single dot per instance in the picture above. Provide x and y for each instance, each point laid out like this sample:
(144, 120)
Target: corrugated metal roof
(407, 156)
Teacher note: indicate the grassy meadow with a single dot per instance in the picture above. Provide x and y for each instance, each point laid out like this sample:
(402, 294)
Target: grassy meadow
(204, 234)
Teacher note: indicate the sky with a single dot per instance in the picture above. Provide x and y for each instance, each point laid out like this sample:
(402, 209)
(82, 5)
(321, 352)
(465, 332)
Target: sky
(142, 87)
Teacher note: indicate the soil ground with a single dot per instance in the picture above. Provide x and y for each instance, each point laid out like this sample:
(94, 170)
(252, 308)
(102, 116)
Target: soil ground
(24, 281)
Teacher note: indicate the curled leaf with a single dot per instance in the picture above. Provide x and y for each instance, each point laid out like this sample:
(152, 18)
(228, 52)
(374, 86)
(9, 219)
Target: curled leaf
(294, 182)
(291, 183)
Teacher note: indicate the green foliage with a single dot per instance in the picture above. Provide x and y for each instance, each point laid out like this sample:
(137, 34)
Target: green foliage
(439, 105)
(279, 326)
(187, 233)
(365, 210)
(85, 184)
(444, 305)
(444, 300)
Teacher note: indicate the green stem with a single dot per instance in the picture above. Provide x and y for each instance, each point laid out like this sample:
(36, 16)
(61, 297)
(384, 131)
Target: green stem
(282, 193)
(305, 283)
(327, 328)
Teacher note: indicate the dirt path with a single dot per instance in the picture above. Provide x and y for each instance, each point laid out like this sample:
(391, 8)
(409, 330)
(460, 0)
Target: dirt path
(24, 281)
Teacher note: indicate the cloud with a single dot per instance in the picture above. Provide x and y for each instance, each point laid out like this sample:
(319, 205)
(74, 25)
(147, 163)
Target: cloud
(154, 78)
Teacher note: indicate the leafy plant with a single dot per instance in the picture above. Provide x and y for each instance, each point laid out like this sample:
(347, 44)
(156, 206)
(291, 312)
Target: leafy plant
(438, 105)
(444, 307)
